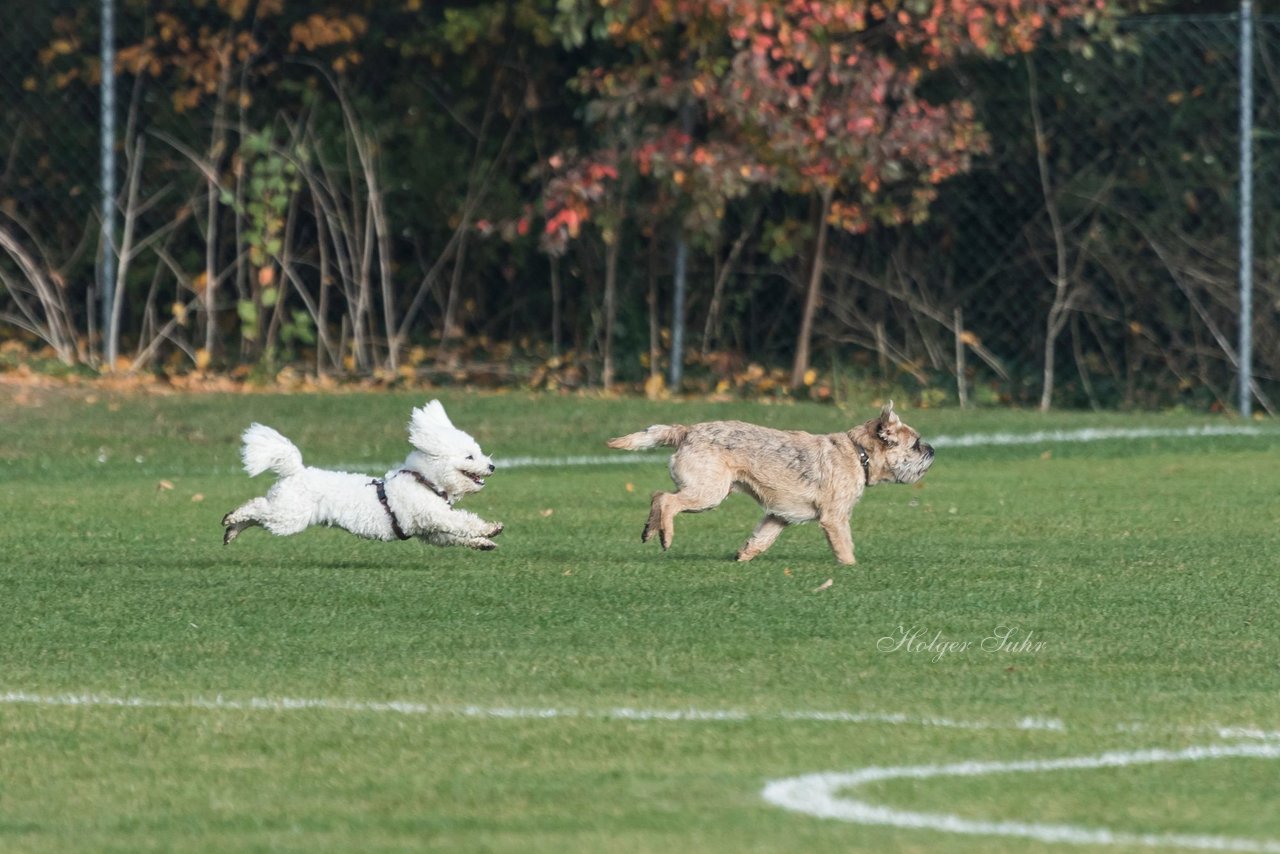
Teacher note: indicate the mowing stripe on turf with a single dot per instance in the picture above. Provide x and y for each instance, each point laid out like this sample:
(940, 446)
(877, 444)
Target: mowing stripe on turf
(830, 795)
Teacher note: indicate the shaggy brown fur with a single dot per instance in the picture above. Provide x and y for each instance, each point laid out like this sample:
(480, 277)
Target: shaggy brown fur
(795, 476)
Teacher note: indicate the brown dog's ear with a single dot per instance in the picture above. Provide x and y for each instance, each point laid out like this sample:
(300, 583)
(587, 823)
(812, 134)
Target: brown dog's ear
(887, 421)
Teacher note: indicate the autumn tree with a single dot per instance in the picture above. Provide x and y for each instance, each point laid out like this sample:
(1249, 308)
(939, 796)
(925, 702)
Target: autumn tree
(806, 98)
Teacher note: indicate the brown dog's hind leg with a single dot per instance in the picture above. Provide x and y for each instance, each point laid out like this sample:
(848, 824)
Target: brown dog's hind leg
(763, 536)
(654, 522)
(692, 498)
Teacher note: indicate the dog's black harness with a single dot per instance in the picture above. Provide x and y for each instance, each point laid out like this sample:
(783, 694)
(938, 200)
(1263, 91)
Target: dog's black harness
(426, 483)
(381, 485)
(865, 460)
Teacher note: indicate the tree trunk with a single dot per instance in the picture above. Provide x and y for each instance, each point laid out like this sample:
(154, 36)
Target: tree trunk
(611, 252)
(813, 295)
(655, 324)
(679, 294)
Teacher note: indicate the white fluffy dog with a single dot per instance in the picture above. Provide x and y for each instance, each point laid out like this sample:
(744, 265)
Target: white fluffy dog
(414, 499)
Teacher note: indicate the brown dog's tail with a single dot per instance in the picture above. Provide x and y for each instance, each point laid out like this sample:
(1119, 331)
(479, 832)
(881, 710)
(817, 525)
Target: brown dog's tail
(670, 435)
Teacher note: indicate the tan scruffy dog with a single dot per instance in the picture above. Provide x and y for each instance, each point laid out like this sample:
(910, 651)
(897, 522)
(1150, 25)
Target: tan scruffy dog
(795, 476)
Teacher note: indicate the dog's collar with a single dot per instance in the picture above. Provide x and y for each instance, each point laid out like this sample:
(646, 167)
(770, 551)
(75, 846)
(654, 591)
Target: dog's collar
(381, 486)
(418, 476)
(865, 460)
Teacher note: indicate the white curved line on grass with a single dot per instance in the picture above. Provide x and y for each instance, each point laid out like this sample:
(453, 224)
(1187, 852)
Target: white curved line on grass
(827, 795)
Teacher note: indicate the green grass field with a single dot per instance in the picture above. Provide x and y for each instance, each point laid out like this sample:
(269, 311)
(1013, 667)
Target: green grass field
(577, 691)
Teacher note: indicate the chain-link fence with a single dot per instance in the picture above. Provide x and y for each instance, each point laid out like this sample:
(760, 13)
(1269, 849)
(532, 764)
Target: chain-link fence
(1094, 250)
(1089, 258)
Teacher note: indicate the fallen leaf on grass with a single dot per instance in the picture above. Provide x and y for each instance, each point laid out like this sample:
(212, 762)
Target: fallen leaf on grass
(198, 497)
(824, 585)
(163, 486)
(631, 487)
(545, 513)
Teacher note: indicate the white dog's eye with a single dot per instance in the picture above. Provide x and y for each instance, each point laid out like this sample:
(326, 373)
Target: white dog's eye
(470, 456)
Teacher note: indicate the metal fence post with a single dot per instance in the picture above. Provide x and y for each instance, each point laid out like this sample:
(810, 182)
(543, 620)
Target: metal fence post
(108, 181)
(1245, 366)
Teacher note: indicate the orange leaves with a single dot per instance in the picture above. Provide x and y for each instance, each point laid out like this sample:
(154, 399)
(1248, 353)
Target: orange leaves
(571, 194)
(318, 31)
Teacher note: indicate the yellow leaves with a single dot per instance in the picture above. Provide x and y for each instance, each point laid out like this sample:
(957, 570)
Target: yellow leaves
(180, 313)
(810, 377)
(186, 99)
(203, 358)
(655, 387)
(57, 48)
(235, 9)
(324, 31)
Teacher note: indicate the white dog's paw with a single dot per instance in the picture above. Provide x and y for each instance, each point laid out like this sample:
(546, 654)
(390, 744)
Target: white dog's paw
(483, 545)
(497, 529)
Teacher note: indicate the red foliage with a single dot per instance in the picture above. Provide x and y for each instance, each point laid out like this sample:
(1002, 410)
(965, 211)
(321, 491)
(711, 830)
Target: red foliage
(798, 95)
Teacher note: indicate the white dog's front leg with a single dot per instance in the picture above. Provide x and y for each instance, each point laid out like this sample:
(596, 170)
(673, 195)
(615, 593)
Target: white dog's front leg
(463, 528)
(467, 524)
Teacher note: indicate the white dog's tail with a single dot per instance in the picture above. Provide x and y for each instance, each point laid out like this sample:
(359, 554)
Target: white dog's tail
(670, 435)
(265, 448)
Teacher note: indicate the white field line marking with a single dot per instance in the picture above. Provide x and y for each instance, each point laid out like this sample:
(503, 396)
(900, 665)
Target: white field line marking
(615, 459)
(1098, 434)
(820, 795)
(626, 713)
(620, 713)
(286, 704)
(971, 440)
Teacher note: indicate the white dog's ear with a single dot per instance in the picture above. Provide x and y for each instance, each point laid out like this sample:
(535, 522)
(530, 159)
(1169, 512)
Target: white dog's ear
(426, 420)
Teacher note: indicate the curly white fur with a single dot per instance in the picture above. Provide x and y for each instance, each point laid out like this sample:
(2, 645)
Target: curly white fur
(445, 465)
